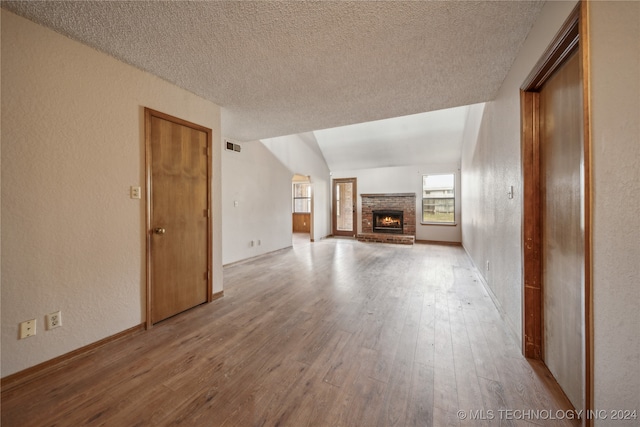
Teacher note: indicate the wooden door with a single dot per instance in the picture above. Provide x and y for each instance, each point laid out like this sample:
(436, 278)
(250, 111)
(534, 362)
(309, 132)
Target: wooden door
(557, 239)
(178, 215)
(344, 207)
(562, 239)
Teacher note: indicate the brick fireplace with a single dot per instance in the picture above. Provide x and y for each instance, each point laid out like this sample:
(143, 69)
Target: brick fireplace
(388, 202)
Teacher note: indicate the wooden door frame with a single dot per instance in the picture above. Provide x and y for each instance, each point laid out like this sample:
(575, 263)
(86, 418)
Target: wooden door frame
(148, 115)
(573, 35)
(334, 207)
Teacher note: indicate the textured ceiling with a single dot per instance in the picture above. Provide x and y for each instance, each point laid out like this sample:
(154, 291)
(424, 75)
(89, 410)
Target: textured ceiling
(286, 67)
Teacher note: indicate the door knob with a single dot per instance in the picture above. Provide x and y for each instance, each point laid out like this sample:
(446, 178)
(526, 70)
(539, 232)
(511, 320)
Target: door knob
(159, 230)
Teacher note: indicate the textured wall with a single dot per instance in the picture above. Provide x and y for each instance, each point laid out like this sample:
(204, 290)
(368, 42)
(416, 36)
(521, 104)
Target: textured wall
(301, 155)
(491, 227)
(261, 186)
(615, 68)
(408, 179)
(73, 143)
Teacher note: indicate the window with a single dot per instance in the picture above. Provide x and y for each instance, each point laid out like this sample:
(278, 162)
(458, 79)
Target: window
(301, 198)
(438, 198)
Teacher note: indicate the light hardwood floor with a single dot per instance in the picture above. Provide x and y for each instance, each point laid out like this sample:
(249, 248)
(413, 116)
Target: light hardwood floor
(332, 333)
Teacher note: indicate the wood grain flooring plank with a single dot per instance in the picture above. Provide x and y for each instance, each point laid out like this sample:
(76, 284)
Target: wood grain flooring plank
(367, 395)
(345, 362)
(420, 402)
(445, 400)
(493, 395)
(399, 387)
(482, 357)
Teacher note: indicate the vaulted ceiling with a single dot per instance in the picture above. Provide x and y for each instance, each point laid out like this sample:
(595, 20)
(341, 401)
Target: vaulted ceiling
(432, 137)
(285, 67)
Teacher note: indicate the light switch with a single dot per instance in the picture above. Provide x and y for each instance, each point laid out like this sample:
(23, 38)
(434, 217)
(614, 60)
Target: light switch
(510, 192)
(235, 203)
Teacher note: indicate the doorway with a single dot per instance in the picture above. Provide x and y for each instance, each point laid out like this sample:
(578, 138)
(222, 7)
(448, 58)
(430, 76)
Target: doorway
(344, 207)
(302, 207)
(178, 215)
(556, 215)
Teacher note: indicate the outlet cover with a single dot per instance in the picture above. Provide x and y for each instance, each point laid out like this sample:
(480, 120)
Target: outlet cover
(28, 328)
(134, 192)
(54, 320)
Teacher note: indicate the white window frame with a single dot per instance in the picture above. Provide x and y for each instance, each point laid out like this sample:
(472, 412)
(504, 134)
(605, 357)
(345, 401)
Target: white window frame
(295, 198)
(441, 197)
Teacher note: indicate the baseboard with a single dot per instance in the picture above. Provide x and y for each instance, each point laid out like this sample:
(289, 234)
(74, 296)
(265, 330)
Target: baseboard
(242, 261)
(27, 375)
(217, 295)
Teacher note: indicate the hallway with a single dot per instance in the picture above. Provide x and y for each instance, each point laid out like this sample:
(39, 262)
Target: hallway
(334, 333)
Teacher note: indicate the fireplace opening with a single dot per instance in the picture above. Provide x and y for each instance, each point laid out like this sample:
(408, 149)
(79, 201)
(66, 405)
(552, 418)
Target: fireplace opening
(387, 221)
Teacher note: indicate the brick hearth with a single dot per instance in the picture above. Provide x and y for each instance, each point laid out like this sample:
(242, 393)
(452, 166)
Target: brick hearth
(405, 202)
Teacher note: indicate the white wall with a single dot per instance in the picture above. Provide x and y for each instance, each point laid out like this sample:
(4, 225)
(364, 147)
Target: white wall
(474, 209)
(256, 203)
(491, 222)
(615, 96)
(407, 179)
(491, 227)
(73, 143)
(301, 155)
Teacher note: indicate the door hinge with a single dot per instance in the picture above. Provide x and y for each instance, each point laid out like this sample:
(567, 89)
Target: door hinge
(207, 151)
(207, 275)
(207, 213)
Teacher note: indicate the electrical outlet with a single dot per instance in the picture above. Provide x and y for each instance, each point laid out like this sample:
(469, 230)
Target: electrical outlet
(134, 192)
(54, 320)
(28, 328)
(487, 265)
(259, 242)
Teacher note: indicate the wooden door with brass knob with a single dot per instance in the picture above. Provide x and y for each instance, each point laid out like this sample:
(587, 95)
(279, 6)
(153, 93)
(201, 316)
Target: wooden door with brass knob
(178, 215)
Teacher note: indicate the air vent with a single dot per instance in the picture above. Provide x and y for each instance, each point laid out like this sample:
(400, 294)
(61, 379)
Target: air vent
(233, 147)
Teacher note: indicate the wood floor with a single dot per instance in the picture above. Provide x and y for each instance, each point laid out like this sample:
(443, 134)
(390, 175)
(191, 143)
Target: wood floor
(332, 333)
